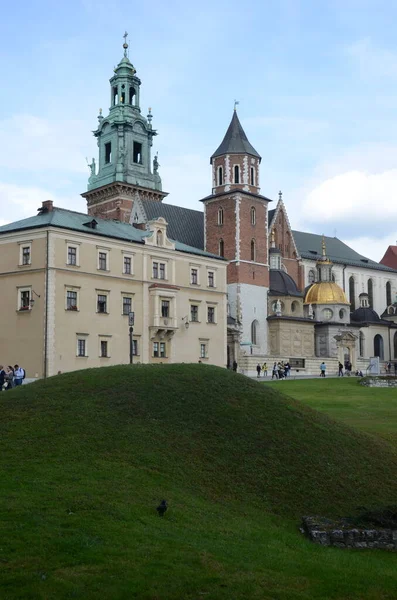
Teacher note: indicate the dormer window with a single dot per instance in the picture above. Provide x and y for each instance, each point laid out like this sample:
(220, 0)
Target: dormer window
(220, 216)
(159, 238)
(236, 174)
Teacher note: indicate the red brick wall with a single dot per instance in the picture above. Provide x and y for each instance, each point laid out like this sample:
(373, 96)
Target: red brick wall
(284, 242)
(236, 159)
(227, 231)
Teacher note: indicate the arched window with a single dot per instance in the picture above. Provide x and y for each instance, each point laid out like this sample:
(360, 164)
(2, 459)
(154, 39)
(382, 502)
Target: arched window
(253, 250)
(236, 174)
(371, 293)
(159, 238)
(252, 175)
(378, 346)
(295, 306)
(132, 94)
(311, 276)
(220, 176)
(361, 343)
(388, 293)
(352, 293)
(221, 249)
(253, 215)
(220, 216)
(254, 333)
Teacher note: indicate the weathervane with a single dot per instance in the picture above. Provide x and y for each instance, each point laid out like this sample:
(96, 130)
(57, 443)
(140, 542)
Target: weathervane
(280, 196)
(235, 103)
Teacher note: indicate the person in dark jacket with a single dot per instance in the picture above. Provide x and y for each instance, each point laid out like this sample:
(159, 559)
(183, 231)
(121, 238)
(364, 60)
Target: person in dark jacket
(2, 377)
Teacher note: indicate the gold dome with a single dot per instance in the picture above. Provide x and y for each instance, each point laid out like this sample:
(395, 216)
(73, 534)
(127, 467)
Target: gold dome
(326, 292)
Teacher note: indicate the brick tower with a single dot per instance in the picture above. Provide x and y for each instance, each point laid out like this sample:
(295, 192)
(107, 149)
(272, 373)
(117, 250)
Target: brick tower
(235, 217)
(125, 172)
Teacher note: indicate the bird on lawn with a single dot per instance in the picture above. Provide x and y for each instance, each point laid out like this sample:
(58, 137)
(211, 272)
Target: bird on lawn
(162, 508)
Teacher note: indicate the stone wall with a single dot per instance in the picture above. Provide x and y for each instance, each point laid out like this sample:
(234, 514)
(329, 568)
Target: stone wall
(342, 534)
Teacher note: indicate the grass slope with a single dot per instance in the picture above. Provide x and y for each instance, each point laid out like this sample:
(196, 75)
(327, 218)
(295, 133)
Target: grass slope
(85, 458)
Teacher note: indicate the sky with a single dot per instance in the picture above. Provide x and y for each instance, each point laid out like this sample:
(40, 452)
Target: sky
(316, 82)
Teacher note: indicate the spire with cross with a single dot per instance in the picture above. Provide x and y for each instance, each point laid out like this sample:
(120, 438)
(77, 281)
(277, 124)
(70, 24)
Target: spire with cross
(125, 45)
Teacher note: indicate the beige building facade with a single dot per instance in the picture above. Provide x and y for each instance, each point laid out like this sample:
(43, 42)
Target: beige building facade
(70, 282)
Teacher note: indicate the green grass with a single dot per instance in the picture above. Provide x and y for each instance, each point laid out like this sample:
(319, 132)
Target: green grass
(373, 410)
(86, 457)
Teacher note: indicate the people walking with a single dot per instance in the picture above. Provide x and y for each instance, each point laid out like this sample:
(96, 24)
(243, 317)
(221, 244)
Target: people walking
(264, 369)
(258, 370)
(19, 375)
(322, 369)
(234, 365)
(275, 371)
(2, 377)
(340, 372)
(9, 378)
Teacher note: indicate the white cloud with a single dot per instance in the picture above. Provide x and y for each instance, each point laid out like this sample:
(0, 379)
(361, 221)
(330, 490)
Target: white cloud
(31, 143)
(19, 202)
(371, 60)
(354, 195)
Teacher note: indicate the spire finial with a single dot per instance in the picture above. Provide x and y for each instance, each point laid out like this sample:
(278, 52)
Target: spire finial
(324, 250)
(125, 45)
(280, 196)
(236, 102)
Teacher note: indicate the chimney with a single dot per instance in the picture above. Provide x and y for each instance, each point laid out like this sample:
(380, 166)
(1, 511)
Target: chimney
(47, 206)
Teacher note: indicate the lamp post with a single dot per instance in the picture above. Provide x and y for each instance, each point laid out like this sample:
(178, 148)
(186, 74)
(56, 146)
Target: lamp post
(131, 318)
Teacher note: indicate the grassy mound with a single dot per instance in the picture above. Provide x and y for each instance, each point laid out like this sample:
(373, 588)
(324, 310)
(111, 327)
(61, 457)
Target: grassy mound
(87, 456)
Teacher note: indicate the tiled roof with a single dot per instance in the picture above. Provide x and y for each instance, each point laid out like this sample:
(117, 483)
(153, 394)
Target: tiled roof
(184, 224)
(235, 140)
(270, 216)
(68, 219)
(309, 246)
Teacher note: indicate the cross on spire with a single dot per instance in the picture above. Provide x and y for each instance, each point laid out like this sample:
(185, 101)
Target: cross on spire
(235, 104)
(280, 195)
(125, 45)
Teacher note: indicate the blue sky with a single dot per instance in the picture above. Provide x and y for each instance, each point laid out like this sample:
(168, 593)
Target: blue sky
(316, 81)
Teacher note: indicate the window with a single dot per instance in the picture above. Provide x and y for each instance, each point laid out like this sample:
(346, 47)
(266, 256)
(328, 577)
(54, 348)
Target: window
(253, 250)
(102, 261)
(327, 314)
(132, 94)
(137, 153)
(294, 306)
(220, 216)
(361, 343)
(253, 215)
(71, 300)
(158, 270)
(352, 294)
(371, 294)
(24, 297)
(311, 276)
(378, 346)
(26, 255)
(203, 350)
(127, 305)
(104, 349)
(135, 347)
(236, 174)
(341, 314)
(127, 265)
(220, 176)
(194, 313)
(211, 314)
(108, 152)
(388, 293)
(72, 255)
(159, 238)
(102, 303)
(81, 347)
(194, 276)
(211, 279)
(115, 95)
(165, 308)
(252, 175)
(159, 349)
(221, 248)
(254, 332)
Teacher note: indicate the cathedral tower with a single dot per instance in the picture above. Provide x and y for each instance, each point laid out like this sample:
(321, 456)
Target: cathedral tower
(236, 227)
(125, 171)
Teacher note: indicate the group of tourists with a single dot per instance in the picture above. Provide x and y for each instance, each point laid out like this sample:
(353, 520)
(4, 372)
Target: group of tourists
(281, 370)
(11, 377)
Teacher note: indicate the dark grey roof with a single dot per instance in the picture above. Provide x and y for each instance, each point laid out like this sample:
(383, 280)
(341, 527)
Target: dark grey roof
(184, 224)
(235, 141)
(364, 314)
(270, 215)
(282, 284)
(235, 191)
(309, 246)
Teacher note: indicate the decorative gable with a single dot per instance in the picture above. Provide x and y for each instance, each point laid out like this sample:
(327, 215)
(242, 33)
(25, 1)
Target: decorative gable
(158, 234)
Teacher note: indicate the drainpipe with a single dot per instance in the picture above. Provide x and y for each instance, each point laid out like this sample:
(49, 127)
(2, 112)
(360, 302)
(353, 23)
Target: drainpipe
(46, 310)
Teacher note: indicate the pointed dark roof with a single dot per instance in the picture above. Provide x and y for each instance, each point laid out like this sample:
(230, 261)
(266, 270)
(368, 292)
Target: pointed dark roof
(235, 141)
